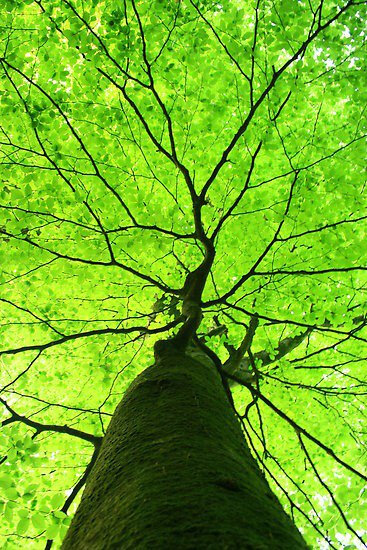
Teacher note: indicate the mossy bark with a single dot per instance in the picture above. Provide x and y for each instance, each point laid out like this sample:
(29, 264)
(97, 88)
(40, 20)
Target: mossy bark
(174, 472)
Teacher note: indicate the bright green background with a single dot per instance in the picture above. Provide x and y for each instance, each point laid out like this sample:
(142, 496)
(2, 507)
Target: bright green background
(79, 168)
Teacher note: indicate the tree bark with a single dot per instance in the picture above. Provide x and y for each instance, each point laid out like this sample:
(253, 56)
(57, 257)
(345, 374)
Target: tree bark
(175, 472)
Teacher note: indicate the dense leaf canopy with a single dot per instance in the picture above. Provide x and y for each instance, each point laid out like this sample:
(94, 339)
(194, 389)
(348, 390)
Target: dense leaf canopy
(130, 133)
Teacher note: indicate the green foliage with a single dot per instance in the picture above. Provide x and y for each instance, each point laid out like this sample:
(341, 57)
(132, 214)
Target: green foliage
(111, 114)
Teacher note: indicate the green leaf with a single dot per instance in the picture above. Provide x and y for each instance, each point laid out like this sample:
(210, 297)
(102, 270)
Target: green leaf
(11, 493)
(52, 531)
(57, 501)
(6, 481)
(38, 521)
(22, 526)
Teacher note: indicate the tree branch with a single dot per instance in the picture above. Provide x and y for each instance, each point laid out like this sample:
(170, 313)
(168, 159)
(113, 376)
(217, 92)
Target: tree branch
(297, 428)
(15, 417)
(276, 74)
(96, 332)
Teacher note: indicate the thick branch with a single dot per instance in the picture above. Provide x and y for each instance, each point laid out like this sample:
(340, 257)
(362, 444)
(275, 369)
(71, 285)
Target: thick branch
(235, 363)
(15, 417)
(96, 332)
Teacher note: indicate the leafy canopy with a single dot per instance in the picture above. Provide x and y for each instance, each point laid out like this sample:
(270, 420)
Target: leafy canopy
(129, 130)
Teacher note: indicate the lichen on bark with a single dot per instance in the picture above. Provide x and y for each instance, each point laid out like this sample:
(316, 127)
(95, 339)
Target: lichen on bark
(174, 471)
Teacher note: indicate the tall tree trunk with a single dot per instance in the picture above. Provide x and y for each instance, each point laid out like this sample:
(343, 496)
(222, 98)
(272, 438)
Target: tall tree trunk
(175, 472)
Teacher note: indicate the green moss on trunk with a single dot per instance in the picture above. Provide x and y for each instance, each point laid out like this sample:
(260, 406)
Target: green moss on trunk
(174, 471)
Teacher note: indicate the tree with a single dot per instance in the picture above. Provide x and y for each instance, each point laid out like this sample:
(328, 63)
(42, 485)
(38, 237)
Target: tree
(187, 177)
